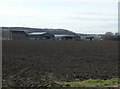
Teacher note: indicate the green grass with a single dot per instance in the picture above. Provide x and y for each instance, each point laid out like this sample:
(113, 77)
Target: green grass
(86, 83)
(6, 87)
(92, 83)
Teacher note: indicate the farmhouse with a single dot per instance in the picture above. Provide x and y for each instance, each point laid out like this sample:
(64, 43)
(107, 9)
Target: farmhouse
(67, 37)
(40, 36)
(17, 35)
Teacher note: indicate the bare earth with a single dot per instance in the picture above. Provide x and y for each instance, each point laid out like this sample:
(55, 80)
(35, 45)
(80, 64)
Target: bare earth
(37, 63)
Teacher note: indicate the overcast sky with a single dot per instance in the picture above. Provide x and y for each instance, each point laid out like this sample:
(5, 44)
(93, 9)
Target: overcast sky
(81, 16)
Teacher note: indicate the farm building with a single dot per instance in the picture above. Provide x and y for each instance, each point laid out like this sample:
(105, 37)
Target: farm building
(67, 37)
(87, 38)
(18, 35)
(40, 36)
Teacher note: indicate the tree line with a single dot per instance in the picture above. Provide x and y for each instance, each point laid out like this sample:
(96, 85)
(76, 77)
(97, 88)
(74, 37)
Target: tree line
(111, 36)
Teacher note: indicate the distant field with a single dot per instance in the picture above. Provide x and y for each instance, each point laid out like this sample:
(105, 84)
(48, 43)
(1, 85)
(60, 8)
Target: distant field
(41, 63)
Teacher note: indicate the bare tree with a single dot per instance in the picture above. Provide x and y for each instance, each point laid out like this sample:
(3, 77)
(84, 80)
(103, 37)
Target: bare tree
(109, 33)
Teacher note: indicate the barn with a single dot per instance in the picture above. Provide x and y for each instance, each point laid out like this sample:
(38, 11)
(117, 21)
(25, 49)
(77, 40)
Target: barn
(40, 36)
(89, 38)
(67, 37)
(18, 35)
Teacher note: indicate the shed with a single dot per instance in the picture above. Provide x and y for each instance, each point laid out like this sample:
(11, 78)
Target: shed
(89, 37)
(67, 37)
(18, 35)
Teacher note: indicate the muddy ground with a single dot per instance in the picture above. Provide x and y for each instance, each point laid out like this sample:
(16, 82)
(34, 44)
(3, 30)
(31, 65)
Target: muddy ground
(41, 63)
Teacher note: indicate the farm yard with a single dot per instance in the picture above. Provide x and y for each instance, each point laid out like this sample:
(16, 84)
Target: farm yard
(33, 63)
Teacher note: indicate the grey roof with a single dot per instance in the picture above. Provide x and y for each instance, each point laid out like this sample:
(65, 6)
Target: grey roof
(36, 33)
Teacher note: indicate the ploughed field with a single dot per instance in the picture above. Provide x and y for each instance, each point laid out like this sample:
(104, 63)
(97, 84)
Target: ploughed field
(40, 63)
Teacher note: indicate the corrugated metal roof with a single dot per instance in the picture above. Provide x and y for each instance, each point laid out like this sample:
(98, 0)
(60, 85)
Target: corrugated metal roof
(36, 33)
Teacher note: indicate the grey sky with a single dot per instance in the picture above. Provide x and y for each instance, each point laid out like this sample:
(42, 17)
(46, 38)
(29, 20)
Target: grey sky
(82, 16)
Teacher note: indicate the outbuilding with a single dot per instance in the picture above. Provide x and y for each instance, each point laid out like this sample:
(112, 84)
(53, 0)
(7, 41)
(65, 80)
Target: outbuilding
(18, 35)
(67, 37)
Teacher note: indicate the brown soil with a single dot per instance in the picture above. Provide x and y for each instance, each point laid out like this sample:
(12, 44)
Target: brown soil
(40, 63)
